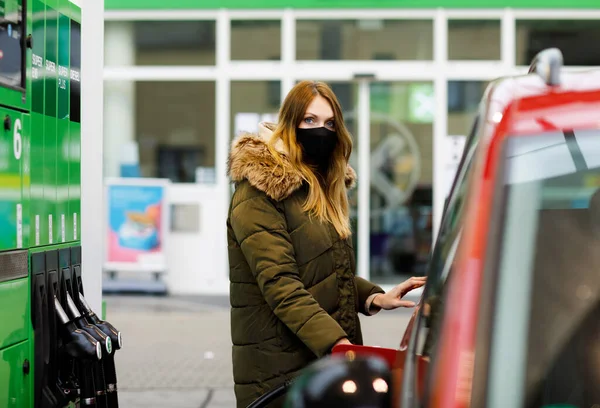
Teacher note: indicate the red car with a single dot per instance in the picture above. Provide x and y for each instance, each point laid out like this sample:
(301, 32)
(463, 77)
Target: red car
(510, 315)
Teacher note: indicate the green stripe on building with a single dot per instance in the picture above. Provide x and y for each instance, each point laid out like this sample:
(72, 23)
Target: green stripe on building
(346, 4)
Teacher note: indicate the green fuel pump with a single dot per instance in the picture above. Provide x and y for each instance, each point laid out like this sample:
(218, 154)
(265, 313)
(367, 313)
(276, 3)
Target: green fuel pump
(52, 353)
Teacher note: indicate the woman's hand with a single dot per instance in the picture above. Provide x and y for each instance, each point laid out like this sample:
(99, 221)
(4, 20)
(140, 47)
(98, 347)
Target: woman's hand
(393, 299)
(342, 341)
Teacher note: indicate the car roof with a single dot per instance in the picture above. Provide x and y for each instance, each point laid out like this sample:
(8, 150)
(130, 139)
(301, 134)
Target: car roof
(527, 105)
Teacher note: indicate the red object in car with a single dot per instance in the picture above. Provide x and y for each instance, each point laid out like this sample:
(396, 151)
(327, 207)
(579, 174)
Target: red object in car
(351, 350)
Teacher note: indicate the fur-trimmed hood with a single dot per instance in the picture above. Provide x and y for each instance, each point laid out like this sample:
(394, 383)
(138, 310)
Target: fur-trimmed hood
(251, 159)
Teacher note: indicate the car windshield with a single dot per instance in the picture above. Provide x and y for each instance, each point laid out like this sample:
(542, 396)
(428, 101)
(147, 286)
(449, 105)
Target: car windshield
(547, 316)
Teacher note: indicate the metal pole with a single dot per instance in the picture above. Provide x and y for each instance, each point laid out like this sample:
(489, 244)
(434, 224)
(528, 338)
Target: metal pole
(92, 192)
(364, 178)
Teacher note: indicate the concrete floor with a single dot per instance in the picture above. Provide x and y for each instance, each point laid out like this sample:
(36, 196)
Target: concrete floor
(177, 351)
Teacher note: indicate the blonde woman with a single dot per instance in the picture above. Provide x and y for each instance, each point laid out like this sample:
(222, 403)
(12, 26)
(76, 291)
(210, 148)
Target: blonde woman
(294, 294)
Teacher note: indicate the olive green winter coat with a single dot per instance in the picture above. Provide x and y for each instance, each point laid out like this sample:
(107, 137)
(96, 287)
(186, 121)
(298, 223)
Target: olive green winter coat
(293, 291)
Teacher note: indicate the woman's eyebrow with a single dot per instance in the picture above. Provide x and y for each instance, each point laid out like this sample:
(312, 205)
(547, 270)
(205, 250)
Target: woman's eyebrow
(316, 116)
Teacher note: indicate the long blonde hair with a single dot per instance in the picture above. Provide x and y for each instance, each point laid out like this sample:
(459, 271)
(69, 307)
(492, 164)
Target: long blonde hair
(326, 200)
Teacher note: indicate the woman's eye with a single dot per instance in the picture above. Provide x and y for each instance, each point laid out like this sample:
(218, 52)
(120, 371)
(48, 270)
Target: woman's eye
(330, 124)
(309, 120)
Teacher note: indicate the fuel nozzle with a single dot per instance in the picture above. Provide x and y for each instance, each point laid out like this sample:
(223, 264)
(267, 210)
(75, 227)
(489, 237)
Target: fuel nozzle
(99, 374)
(110, 371)
(105, 326)
(83, 348)
(78, 343)
(91, 329)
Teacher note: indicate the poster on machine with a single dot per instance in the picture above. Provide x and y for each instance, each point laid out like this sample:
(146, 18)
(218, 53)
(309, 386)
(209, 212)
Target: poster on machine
(137, 216)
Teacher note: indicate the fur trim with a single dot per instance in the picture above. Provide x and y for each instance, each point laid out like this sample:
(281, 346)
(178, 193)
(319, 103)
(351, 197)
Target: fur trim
(250, 159)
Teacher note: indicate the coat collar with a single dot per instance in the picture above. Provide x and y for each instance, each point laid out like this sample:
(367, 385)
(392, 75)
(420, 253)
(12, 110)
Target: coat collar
(250, 159)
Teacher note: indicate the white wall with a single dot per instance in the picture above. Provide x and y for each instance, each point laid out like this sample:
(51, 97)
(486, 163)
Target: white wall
(197, 262)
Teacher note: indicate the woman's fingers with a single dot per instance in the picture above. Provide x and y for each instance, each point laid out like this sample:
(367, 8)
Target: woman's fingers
(393, 299)
(416, 280)
(412, 283)
(403, 303)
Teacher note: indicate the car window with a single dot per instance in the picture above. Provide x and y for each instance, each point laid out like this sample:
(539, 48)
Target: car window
(444, 251)
(546, 324)
(464, 160)
(440, 269)
(453, 205)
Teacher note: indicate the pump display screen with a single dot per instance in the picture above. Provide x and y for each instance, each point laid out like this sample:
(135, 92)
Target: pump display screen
(11, 50)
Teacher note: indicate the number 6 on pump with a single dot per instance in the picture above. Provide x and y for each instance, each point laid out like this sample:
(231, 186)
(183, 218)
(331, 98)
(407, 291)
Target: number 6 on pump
(17, 142)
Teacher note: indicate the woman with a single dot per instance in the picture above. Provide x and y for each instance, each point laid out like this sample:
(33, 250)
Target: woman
(293, 292)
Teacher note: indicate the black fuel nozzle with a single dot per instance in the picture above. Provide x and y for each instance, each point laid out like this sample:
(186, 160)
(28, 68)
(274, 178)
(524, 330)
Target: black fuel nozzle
(78, 343)
(81, 323)
(110, 371)
(105, 326)
(83, 348)
(99, 335)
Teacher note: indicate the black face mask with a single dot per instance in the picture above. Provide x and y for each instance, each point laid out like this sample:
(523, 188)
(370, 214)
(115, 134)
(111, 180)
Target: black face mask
(318, 145)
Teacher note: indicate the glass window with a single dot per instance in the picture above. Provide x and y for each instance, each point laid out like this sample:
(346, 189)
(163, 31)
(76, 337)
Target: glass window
(364, 40)
(464, 98)
(11, 41)
(474, 40)
(175, 42)
(253, 102)
(256, 40)
(551, 235)
(577, 39)
(401, 151)
(175, 128)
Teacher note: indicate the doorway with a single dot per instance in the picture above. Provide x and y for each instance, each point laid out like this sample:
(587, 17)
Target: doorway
(392, 124)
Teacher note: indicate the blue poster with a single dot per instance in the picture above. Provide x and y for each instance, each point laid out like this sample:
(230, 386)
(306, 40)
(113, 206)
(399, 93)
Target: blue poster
(135, 214)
